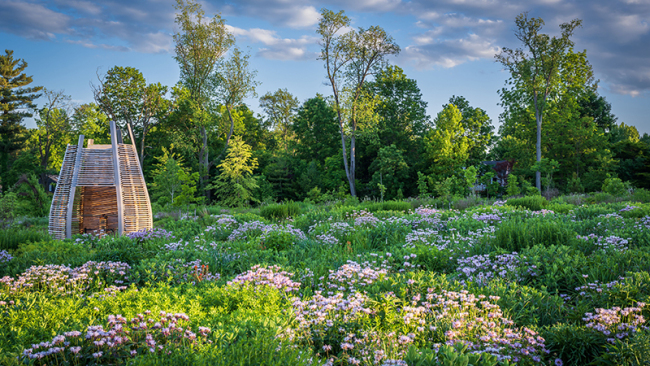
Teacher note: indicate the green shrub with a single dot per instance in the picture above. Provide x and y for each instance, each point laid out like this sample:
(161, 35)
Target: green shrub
(574, 344)
(516, 234)
(641, 195)
(615, 187)
(561, 208)
(533, 203)
(633, 351)
(450, 356)
(386, 206)
(11, 239)
(280, 211)
(46, 252)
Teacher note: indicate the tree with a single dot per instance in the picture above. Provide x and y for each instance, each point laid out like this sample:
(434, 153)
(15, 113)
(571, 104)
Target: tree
(53, 132)
(173, 181)
(88, 120)
(316, 130)
(280, 107)
(470, 174)
(534, 69)
(350, 59)
(235, 82)
(124, 96)
(235, 184)
(478, 129)
(200, 45)
(446, 145)
(16, 101)
(390, 169)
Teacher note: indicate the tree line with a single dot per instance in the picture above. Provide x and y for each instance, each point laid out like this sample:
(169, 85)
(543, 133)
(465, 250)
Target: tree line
(371, 137)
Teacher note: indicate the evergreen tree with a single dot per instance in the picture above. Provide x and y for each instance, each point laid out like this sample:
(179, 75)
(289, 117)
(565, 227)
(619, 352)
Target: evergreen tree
(235, 185)
(16, 100)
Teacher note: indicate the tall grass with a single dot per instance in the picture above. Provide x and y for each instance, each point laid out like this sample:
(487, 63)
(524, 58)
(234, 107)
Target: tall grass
(10, 239)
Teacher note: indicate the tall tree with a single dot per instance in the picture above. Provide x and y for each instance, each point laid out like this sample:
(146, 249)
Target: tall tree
(124, 96)
(447, 145)
(478, 129)
(351, 58)
(280, 107)
(235, 82)
(236, 183)
(53, 132)
(534, 68)
(316, 130)
(200, 45)
(16, 101)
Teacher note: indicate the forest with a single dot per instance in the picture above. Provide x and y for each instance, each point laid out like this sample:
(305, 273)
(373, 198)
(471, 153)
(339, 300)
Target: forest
(371, 138)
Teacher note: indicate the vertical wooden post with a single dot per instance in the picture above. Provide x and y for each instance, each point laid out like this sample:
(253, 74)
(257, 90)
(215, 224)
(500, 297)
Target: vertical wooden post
(140, 164)
(118, 182)
(73, 186)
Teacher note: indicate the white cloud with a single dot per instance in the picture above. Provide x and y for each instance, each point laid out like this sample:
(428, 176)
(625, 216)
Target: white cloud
(277, 48)
(450, 53)
(32, 20)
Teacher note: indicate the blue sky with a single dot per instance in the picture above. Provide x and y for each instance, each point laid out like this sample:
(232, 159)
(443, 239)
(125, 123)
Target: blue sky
(448, 46)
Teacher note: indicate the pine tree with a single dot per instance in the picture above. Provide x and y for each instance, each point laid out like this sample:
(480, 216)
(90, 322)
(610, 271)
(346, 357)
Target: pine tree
(15, 101)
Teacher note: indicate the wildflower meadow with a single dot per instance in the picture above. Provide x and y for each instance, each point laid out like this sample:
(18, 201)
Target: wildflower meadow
(338, 283)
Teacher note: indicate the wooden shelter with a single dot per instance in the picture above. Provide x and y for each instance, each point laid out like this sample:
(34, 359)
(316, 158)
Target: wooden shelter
(100, 189)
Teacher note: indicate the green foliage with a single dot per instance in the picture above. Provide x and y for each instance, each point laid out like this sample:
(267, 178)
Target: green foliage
(470, 174)
(533, 203)
(614, 186)
(172, 182)
(423, 184)
(631, 351)
(11, 239)
(450, 356)
(446, 145)
(574, 344)
(236, 184)
(512, 189)
(31, 198)
(280, 211)
(515, 235)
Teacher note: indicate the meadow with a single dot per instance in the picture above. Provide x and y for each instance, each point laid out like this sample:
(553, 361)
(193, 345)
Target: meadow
(523, 281)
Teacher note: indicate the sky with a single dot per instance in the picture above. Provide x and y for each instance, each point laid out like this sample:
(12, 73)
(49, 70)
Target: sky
(447, 46)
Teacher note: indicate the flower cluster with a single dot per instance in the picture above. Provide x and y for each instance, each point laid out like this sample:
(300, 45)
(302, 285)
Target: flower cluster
(490, 218)
(149, 234)
(609, 242)
(499, 203)
(616, 322)
(481, 326)
(365, 218)
(66, 280)
(590, 289)
(248, 229)
(272, 276)
(352, 275)
(628, 208)
(327, 239)
(224, 224)
(425, 237)
(121, 339)
(289, 229)
(426, 211)
(5, 256)
(542, 212)
(481, 269)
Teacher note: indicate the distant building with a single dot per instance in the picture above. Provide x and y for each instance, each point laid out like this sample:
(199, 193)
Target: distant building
(51, 181)
(502, 168)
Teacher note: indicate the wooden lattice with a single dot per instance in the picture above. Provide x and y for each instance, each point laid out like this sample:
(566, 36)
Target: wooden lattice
(100, 189)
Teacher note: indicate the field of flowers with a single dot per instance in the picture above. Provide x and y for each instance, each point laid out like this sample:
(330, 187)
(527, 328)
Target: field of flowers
(341, 284)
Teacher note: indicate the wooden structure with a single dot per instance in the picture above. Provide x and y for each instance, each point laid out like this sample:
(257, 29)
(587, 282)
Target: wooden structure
(100, 189)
